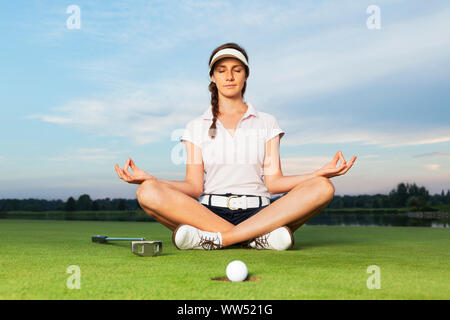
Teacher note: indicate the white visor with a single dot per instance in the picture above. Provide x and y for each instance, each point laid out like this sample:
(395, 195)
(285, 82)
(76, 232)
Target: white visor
(228, 53)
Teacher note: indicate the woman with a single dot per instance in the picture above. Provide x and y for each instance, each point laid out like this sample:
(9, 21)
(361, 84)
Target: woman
(232, 204)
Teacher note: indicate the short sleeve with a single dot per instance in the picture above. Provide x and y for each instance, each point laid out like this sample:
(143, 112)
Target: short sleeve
(274, 129)
(192, 133)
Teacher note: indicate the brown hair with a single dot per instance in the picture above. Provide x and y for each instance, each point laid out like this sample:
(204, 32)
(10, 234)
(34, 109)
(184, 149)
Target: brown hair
(213, 88)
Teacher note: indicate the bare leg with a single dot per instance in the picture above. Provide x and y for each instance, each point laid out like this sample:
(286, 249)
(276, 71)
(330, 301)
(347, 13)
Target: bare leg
(172, 208)
(298, 223)
(155, 215)
(297, 205)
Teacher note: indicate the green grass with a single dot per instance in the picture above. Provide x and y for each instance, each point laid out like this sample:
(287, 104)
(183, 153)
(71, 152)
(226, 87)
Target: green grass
(326, 263)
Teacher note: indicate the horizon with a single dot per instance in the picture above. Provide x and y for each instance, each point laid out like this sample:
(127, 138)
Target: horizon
(273, 196)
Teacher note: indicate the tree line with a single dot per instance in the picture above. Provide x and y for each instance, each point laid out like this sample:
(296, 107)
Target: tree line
(405, 195)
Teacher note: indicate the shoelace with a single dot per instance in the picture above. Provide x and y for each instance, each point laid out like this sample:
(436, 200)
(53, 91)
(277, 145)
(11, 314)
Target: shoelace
(261, 241)
(209, 243)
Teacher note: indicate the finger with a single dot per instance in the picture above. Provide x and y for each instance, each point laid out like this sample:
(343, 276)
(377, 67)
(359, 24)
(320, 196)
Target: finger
(123, 174)
(133, 166)
(127, 163)
(340, 173)
(348, 166)
(127, 175)
(334, 170)
(336, 158)
(352, 162)
(118, 171)
(341, 156)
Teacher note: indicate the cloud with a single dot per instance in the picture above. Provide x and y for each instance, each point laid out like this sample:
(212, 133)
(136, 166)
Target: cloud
(86, 155)
(301, 165)
(344, 57)
(369, 156)
(150, 113)
(433, 154)
(330, 132)
(432, 166)
(422, 141)
(51, 119)
(325, 61)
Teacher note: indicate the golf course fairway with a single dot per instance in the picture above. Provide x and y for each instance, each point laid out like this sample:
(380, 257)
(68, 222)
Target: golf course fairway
(37, 259)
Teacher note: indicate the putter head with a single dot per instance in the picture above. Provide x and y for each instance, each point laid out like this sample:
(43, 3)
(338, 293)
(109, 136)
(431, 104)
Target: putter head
(99, 239)
(146, 248)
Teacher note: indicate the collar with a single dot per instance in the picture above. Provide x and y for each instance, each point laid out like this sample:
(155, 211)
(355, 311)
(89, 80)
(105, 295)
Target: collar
(251, 111)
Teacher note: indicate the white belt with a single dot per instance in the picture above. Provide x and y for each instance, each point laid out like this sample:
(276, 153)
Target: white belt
(234, 202)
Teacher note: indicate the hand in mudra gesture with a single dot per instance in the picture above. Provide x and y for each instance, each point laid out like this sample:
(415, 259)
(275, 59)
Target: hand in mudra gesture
(330, 170)
(137, 177)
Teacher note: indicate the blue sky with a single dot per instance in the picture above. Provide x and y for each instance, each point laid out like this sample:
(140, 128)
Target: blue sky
(77, 101)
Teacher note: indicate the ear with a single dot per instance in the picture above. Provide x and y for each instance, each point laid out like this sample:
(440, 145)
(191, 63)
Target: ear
(213, 79)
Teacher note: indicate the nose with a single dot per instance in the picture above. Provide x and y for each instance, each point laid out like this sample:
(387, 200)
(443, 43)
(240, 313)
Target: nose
(229, 75)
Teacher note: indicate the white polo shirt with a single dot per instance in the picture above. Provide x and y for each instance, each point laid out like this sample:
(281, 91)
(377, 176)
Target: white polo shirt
(234, 164)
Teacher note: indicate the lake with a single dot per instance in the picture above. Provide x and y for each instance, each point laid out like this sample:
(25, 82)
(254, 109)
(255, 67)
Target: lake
(416, 219)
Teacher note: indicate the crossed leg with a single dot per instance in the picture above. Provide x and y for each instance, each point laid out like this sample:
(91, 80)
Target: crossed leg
(172, 207)
(293, 209)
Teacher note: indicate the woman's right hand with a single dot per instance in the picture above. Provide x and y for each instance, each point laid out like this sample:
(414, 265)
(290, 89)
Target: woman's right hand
(137, 177)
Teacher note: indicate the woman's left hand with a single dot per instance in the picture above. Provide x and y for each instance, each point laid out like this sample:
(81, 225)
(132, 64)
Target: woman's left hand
(330, 170)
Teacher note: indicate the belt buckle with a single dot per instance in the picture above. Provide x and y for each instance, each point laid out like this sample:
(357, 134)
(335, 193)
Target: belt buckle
(228, 202)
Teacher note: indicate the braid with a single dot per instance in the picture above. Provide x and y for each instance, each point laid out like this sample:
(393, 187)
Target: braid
(215, 108)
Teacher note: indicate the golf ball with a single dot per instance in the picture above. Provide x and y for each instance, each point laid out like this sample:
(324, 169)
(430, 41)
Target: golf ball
(237, 271)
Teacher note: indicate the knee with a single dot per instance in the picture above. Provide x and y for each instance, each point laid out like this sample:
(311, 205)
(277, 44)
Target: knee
(149, 193)
(326, 188)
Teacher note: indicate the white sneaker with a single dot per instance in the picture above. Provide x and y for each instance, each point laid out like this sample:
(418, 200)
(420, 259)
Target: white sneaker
(278, 239)
(188, 237)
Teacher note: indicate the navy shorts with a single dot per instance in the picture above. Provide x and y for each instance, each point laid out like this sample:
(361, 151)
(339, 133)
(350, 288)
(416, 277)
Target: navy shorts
(234, 216)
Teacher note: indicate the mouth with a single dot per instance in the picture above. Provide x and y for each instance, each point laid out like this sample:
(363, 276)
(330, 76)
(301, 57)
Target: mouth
(230, 86)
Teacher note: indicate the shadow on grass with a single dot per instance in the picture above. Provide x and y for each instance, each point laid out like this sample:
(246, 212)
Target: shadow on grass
(301, 244)
(250, 278)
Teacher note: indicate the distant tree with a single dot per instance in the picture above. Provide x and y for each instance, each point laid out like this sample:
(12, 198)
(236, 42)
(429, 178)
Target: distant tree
(422, 192)
(84, 203)
(95, 206)
(385, 203)
(32, 207)
(439, 199)
(359, 203)
(122, 205)
(399, 196)
(11, 205)
(414, 202)
(377, 203)
(71, 204)
(336, 203)
(105, 204)
(404, 195)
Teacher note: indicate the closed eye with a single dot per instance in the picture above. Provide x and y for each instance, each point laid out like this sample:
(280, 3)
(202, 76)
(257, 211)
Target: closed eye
(235, 70)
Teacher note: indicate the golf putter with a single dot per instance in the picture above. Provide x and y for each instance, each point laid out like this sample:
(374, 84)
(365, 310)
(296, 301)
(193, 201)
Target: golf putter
(105, 239)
